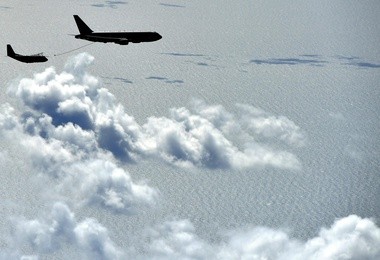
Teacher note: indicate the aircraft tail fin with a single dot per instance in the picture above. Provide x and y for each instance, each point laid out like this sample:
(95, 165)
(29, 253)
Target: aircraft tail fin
(83, 28)
(10, 51)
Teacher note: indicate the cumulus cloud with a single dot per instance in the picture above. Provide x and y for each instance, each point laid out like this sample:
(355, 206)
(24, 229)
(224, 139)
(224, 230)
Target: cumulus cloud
(8, 120)
(205, 136)
(348, 238)
(351, 237)
(177, 240)
(202, 136)
(57, 129)
(270, 126)
(75, 132)
(87, 177)
(102, 183)
(49, 234)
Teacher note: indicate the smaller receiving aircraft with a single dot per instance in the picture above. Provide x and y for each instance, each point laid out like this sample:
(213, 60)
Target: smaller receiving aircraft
(122, 38)
(25, 58)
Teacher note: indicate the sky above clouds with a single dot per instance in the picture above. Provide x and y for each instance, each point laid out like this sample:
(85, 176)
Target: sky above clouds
(249, 137)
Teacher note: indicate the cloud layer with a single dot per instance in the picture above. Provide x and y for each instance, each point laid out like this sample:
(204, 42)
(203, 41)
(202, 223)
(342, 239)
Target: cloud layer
(351, 237)
(73, 101)
(348, 238)
(76, 133)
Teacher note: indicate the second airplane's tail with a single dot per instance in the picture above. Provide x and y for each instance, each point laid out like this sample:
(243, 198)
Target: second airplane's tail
(82, 27)
(10, 51)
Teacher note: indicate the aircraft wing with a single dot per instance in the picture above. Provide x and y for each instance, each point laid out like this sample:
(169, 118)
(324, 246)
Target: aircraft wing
(122, 41)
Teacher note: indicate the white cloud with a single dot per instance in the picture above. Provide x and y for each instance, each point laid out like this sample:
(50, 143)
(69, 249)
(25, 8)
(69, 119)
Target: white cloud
(100, 182)
(73, 123)
(8, 120)
(204, 136)
(46, 236)
(76, 133)
(85, 176)
(57, 130)
(348, 238)
(83, 173)
(351, 238)
(177, 240)
(269, 126)
(49, 234)
(93, 239)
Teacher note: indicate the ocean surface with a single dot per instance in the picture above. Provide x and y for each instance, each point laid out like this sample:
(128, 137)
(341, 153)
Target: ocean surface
(314, 64)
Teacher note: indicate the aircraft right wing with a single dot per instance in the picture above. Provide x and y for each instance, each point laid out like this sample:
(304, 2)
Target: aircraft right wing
(121, 41)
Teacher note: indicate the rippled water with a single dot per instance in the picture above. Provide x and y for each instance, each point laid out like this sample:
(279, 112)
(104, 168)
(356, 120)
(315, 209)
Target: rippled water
(317, 65)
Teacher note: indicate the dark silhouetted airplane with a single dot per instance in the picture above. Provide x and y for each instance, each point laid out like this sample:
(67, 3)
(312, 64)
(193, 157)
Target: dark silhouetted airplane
(25, 58)
(122, 38)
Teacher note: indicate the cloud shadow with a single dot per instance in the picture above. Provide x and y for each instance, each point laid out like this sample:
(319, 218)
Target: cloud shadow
(305, 59)
(347, 58)
(204, 64)
(178, 54)
(172, 5)
(110, 4)
(166, 80)
(366, 65)
(203, 61)
(123, 80)
(357, 62)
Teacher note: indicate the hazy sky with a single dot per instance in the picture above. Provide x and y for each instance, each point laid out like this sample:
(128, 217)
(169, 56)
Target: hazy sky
(250, 130)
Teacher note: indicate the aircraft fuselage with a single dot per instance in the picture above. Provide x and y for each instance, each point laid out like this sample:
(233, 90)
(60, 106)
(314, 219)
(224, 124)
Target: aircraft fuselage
(122, 38)
(25, 58)
(30, 59)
